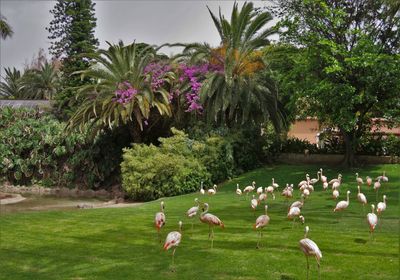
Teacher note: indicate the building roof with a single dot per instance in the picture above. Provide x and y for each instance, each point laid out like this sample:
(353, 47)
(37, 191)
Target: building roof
(41, 104)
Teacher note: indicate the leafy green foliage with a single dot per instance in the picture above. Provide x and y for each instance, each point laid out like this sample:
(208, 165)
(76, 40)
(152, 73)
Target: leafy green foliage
(150, 172)
(12, 85)
(35, 148)
(349, 68)
(5, 28)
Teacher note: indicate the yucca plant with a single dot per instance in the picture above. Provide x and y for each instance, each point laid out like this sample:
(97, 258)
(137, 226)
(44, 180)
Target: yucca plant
(122, 92)
(242, 89)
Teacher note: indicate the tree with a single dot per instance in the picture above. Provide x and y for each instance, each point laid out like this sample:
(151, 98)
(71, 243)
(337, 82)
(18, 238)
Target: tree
(12, 86)
(42, 83)
(122, 92)
(348, 68)
(72, 35)
(5, 28)
(235, 93)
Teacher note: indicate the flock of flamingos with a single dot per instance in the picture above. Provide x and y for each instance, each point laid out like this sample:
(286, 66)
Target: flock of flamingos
(306, 187)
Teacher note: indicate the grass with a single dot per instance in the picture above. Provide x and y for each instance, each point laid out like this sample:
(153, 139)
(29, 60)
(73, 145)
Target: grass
(122, 243)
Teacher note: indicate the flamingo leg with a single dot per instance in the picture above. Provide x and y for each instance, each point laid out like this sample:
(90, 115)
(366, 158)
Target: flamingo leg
(308, 267)
(209, 231)
(212, 237)
(173, 260)
(258, 240)
(293, 222)
(319, 270)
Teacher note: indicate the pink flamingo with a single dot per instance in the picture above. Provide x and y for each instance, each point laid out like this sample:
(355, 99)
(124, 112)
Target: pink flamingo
(341, 205)
(381, 206)
(249, 189)
(254, 204)
(310, 248)
(372, 220)
(261, 222)
(298, 204)
(159, 220)
(335, 194)
(359, 180)
(369, 181)
(173, 240)
(293, 213)
(192, 212)
(324, 179)
(212, 221)
(361, 198)
(383, 177)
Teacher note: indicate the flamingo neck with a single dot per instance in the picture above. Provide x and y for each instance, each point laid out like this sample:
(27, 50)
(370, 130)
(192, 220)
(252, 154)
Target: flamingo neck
(205, 211)
(348, 197)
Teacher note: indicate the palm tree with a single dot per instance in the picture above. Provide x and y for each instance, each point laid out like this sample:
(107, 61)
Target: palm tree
(5, 28)
(42, 83)
(12, 85)
(239, 93)
(121, 92)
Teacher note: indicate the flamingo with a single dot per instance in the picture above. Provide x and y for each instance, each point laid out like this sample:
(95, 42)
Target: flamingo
(383, 177)
(212, 221)
(293, 213)
(359, 180)
(339, 178)
(302, 219)
(259, 190)
(304, 181)
(314, 180)
(212, 191)
(238, 191)
(173, 240)
(192, 212)
(369, 180)
(324, 179)
(341, 205)
(310, 248)
(160, 219)
(325, 185)
(254, 204)
(275, 185)
(249, 189)
(336, 185)
(298, 204)
(306, 192)
(381, 206)
(262, 197)
(261, 222)
(270, 189)
(335, 194)
(202, 191)
(377, 186)
(372, 220)
(361, 197)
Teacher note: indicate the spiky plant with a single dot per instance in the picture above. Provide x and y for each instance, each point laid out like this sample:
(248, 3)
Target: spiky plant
(12, 86)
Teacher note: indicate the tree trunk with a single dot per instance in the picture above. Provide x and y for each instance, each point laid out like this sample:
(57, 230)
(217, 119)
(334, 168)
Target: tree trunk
(135, 132)
(349, 141)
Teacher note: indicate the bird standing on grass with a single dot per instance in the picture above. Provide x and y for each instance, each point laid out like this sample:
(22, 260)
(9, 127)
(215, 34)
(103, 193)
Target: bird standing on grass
(359, 180)
(211, 220)
(192, 212)
(173, 239)
(372, 220)
(213, 190)
(202, 191)
(159, 220)
(310, 248)
(381, 206)
(361, 198)
(261, 222)
(238, 191)
(254, 204)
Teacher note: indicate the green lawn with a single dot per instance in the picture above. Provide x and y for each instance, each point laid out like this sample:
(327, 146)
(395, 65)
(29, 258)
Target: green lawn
(122, 243)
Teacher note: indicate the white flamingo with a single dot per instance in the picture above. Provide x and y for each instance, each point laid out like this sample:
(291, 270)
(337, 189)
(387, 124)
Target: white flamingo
(298, 204)
(361, 197)
(338, 179)
(383, 177)
(359, 180)
(260, 190)
(381, 206)
(261, 222)
(325, 185)
(212, 191)
(315, 180)
(249, 189)
(212, 221)
(324, 179)
(254, 204)
(238, 191)
(377, 186)
(262, 197)
(335, 194)
(172, 241)
(192, 212)
(160, 219)
(275, 185)
(372, 220)
(293, 213)
(270, 189)
(341, 205)
(310, 248)
(202, 191)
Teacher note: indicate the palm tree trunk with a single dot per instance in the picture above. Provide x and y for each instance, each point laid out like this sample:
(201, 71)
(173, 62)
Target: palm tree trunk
(135, 132)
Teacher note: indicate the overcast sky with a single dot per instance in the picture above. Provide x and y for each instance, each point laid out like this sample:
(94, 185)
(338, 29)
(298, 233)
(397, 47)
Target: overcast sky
(153, 22)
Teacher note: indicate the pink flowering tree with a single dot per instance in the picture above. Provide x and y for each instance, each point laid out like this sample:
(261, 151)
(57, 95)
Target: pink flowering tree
(127, 89)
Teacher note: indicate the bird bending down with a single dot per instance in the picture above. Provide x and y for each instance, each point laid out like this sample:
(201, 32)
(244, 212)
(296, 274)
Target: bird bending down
(341, 205)
(381, 206)
(372, 220)
(192, 212)
(212, 221)
(173, 239)
(310, 248)
(298, 204)
(261, 222)
(160, 219)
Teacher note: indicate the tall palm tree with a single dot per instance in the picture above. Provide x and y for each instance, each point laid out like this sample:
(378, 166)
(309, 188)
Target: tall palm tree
(239, 93)
(12, 86)
(121, 92)
(5, 28)
(42, 83)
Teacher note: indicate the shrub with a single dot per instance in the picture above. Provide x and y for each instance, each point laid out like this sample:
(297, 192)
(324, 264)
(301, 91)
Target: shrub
(150, 172)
